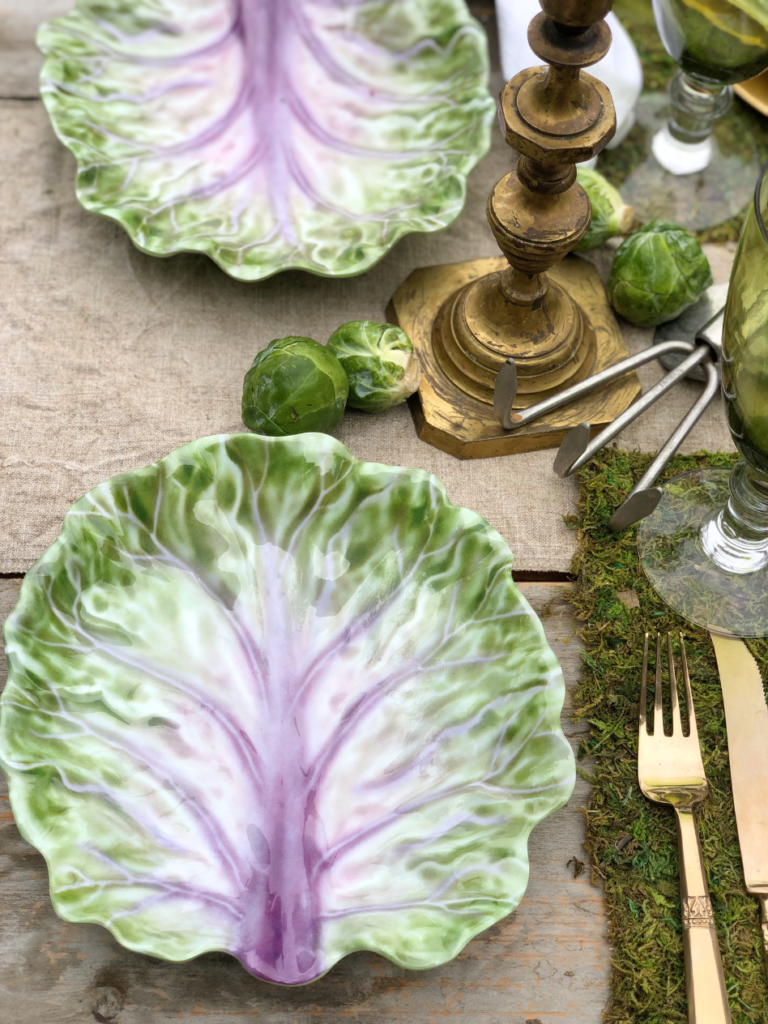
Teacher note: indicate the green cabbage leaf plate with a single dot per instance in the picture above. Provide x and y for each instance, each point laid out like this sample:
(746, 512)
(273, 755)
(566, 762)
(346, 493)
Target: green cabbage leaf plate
(267, 699)
(270, 134)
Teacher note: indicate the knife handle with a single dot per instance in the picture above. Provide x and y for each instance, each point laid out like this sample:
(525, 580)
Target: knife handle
(705, 982)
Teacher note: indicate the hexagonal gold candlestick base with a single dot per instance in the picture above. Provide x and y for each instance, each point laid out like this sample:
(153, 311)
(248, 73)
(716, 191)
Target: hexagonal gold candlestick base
(463, 426)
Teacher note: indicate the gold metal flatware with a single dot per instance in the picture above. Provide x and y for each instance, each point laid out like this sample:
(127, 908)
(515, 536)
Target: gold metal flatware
(670, 771)
(755, 92)
(746, 721)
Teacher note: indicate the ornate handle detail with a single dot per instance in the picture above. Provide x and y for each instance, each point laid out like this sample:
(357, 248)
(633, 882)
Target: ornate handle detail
(764, 925)
(698, 912)
(707, 996)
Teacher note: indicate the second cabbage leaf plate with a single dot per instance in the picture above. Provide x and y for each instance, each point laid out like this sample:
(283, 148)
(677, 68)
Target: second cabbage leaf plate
(267, 699)
(270, 134)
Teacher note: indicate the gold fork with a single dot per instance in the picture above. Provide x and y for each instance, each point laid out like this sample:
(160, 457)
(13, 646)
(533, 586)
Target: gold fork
(670, 771)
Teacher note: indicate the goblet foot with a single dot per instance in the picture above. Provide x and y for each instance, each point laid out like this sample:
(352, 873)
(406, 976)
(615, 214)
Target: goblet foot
(682, 542)
(700, 198)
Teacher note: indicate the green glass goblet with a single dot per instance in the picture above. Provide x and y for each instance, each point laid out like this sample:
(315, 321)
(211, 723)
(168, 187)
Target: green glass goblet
(697, 175)
(716, 43)
(705, 548)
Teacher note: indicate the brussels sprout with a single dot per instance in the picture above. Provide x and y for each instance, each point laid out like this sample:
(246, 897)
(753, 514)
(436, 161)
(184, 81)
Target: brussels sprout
(379, 361)
(658, 272)
(610, 214)
(294, 385)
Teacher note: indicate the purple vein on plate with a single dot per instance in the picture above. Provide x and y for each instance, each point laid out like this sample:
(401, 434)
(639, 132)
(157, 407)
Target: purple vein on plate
(268, 699)
(270, 133)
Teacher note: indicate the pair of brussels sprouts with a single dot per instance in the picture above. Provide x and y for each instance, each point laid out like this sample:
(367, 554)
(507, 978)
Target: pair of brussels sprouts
(297, 385)
(657, 272)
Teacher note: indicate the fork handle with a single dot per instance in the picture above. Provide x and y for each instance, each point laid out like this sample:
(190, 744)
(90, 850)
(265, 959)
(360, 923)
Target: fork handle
(705, 982)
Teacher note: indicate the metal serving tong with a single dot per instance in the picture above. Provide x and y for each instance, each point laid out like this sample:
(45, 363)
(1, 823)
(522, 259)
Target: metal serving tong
(701, 350)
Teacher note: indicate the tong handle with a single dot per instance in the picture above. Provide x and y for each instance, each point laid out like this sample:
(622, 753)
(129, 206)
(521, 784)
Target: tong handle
(644, 497)
(505, 388)
(571, 460)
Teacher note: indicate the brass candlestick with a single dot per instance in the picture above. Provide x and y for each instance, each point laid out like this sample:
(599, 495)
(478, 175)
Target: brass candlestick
(551, 316)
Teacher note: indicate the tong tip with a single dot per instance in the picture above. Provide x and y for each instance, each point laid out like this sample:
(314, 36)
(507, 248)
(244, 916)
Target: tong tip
(573, 446)
(637, 506)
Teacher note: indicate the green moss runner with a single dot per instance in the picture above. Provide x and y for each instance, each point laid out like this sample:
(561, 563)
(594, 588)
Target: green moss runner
(632, 841)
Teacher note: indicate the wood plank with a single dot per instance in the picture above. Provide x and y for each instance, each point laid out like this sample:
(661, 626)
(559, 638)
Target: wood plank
(547, 962)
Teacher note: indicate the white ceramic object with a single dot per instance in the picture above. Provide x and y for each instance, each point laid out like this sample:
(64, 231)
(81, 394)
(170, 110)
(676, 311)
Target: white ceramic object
(620, 69)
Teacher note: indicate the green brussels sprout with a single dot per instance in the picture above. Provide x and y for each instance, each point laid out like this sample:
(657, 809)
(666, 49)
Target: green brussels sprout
(295, 385)
(610, 214)
(658, 272)
(379, 362)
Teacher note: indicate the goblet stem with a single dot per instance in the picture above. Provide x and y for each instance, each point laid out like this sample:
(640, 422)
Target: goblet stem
(684, 144)
(736, 537)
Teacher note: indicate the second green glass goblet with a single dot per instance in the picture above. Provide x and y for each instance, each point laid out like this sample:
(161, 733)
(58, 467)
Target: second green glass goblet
(705, 548)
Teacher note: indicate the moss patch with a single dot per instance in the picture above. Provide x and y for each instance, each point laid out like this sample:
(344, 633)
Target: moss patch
(632, 841)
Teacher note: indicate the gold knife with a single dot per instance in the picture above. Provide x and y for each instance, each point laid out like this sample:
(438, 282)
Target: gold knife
(746, 721)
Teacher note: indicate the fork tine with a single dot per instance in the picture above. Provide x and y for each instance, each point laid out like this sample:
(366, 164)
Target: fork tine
(677, 722)
(644, 687)
(692, 730)
(658, 720)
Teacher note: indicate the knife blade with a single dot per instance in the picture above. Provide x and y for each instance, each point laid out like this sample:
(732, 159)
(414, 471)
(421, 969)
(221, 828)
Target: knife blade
(746, 722)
